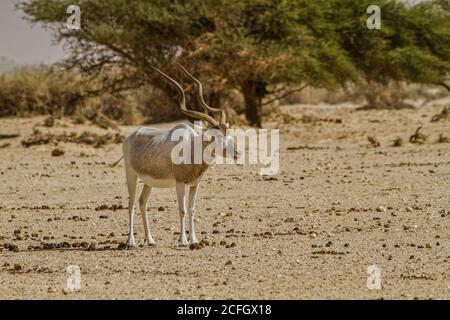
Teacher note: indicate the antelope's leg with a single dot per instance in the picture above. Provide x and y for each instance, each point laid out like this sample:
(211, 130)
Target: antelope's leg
(181, 196)
(143, 207)
(191, 212)
(131, 184)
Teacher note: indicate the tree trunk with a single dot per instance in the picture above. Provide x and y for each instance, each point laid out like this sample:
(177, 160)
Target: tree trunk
(254, 92)
(214, 99)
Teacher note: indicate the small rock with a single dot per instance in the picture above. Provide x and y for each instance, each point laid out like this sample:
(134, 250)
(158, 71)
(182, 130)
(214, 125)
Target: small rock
(409, 209)
(66, 291)
(228, 263)
(17, 267)
(161, 209)
(196, 246)
(381, 209)
(57, 152)
(122, 246)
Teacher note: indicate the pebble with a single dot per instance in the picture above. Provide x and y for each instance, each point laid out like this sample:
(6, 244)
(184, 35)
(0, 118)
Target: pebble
(196, 246)
(381, 209)
(122, 246)
(409, 209)
(313, 235)
(57, 152)
(228, 263)
(66, 291)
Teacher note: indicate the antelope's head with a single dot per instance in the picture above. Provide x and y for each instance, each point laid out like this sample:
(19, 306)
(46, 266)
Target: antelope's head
(220, 128)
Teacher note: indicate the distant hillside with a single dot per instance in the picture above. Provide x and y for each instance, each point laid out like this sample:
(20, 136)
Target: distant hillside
(6, 64)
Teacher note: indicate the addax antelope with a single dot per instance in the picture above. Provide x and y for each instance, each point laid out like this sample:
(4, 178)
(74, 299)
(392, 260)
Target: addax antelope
(147, 154)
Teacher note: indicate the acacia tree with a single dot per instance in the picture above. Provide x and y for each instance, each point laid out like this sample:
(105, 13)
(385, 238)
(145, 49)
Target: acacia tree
(258, 47)
(264, 48)
(413, 44)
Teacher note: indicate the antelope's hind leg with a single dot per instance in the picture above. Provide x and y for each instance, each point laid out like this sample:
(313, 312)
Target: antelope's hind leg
(191, 213)
(181, 196)
(131, 184)
(143, 207)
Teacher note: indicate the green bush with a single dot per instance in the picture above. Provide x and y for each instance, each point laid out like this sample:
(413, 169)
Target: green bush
(36, 90)
(31, 91)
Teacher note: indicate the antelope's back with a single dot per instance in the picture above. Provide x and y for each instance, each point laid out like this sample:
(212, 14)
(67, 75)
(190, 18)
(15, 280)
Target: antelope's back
(148, 152)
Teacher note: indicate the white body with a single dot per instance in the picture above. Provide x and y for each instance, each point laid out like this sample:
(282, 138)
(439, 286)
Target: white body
(147, 156)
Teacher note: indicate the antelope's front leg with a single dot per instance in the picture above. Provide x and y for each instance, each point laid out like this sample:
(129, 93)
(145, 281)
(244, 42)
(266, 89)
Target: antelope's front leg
(191, 212)
(143, 207)
(181, 195)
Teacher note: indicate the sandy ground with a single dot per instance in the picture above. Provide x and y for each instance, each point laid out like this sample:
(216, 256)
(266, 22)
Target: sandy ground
(336, 207)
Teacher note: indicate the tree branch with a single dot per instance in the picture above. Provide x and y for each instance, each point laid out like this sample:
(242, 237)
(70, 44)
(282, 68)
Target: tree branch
(446, 86)
(284, 95)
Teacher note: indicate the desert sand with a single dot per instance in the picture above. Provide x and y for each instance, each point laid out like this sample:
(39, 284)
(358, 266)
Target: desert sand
(337, 206)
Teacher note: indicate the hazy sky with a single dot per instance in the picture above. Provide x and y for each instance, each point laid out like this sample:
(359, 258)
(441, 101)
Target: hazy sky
(23, 43)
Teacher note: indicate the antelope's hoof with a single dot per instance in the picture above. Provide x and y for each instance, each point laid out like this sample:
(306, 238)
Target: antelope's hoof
(183, 244)
(131, 243)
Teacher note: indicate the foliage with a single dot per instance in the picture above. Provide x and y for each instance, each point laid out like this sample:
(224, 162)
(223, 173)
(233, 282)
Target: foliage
(263, 48)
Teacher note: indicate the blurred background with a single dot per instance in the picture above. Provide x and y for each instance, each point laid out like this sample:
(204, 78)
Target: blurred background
(252, 57)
